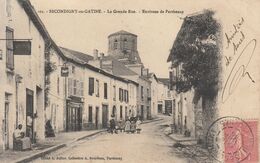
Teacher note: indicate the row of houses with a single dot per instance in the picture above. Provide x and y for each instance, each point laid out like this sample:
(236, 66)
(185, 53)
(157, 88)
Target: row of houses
(41, 81)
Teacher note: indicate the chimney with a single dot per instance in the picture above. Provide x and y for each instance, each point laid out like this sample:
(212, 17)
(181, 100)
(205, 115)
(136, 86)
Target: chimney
(101, 56)
(145, 71)
(95, 54)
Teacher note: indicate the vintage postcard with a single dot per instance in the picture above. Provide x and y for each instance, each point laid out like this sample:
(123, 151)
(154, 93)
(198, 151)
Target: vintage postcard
(135, 81)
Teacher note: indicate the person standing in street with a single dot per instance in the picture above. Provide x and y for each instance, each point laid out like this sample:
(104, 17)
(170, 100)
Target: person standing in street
(138, 126)
(133, 126)
(113, 125)
(127, 126)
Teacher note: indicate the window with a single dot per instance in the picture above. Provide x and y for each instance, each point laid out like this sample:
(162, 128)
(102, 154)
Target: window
(148, 95)
(58, 85)
(171, 80)
(91, 86)
(105, 90)
(125, 44)
(142, 92)
(115, 44)
(73, 69)
(113, 111)
(8, 8)
(97, 88)
(121, 112)
(9, 48)
(114, 90)
(124, 95)
(119, 94)
(74, 87)
(127, 96)
(81, 89)
(90, 119)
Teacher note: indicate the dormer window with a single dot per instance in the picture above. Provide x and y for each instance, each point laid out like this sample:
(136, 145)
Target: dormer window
(115, 44)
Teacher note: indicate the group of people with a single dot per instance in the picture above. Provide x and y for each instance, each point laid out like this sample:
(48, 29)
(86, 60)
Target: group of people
(131, 125)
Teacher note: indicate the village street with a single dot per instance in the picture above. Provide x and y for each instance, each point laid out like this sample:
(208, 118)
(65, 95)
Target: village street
(149, 146)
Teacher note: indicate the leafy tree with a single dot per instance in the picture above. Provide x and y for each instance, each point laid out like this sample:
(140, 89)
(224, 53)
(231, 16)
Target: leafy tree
(197, 50)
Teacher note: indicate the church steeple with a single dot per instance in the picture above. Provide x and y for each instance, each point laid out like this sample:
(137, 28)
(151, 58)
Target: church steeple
(122, 45)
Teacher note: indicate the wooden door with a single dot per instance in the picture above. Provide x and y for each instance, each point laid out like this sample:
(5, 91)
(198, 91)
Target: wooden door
(96, 119)
(104, 116)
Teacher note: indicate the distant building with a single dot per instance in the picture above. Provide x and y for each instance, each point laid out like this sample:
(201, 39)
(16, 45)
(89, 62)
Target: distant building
(123, 60)
(166, 98)
(122, 46)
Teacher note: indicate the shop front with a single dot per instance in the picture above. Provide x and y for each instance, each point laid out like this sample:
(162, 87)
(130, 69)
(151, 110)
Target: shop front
(74, 114)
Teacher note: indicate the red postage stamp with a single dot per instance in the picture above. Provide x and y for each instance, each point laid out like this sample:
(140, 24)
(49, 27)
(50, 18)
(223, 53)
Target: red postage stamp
(240, 142)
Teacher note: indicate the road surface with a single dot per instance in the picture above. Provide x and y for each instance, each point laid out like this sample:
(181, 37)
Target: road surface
(150, 146)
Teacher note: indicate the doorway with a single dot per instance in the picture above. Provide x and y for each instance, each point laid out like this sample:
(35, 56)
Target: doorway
(29, 115)
(74, 117)
(5, 122)
(96, 119)
(104, 116)
(142, 112)
(159, 108)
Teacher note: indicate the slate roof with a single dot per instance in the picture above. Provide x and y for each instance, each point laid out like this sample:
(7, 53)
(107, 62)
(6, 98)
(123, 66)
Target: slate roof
(81, 57)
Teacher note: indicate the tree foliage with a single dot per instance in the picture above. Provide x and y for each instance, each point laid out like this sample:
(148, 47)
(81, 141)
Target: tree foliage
(196, 48)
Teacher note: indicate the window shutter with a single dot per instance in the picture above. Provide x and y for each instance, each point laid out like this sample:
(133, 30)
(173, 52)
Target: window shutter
(105, 90)
(74, 87)
(81, 89)
(9, 48)
(70, 87)
(91, 86)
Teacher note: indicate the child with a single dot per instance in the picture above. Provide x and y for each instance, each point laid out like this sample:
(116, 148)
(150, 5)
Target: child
(127, 126)
(138, 126)
(133, 126)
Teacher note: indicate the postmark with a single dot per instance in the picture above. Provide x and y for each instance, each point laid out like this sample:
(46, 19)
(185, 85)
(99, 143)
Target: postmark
(233, 140)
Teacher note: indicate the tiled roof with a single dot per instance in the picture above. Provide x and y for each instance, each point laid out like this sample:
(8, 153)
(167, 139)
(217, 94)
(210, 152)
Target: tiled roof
(78, 56)
(122, 32)
(118, 68)
(165, 81)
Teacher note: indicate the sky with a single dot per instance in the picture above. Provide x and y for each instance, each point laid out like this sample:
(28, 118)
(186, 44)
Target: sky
(85, 32)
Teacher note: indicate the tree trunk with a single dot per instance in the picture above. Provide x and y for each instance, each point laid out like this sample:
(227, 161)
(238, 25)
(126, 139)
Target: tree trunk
(209, 111)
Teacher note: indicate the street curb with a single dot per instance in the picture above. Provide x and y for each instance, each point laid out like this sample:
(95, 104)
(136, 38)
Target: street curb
(41, 153)
(176, 140)
(54, 148)
(155, 120)
(90, 135)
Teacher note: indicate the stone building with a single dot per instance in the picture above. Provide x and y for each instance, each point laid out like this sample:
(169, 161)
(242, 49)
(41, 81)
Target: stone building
(122, 46)
(93, 98)
(22, 71)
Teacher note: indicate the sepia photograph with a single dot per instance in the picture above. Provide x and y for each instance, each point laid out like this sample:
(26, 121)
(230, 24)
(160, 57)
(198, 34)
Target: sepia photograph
(136, 81)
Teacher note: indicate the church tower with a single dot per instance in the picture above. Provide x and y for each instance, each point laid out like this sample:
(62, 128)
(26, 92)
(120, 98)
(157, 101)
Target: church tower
(122, 46)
